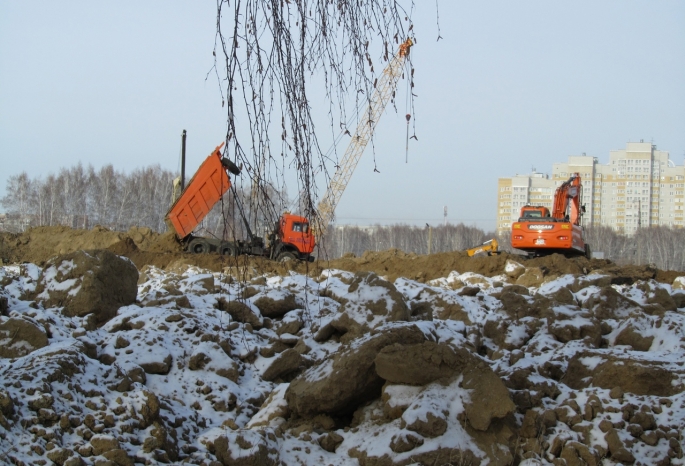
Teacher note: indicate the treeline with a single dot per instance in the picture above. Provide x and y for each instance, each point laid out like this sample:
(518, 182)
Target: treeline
(81, 197)
(346, 239)
(84, 197)
(661, 246)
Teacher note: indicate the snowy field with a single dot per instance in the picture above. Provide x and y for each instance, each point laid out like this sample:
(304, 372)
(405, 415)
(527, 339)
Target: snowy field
(341, 369)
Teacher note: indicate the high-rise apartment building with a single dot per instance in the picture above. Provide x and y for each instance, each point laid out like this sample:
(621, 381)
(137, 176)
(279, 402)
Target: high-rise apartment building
(639, 187)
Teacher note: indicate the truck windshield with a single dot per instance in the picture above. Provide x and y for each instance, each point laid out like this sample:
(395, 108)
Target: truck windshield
(301, 227)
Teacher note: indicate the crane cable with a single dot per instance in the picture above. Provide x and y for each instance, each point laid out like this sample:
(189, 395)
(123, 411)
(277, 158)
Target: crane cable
(408, 116)
(406, 149)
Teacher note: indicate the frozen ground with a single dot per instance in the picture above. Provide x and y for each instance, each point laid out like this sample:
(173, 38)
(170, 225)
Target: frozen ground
(342, 368)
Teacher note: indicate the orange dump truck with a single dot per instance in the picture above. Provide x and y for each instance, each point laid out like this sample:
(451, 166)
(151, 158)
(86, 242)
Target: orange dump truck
(540, 232)
(290, 239)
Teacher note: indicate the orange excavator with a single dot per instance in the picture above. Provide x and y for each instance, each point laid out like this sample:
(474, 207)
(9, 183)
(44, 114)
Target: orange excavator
(540, 233)
(290, 238)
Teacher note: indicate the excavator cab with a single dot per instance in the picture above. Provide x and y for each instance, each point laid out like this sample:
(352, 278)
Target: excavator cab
(534, 214)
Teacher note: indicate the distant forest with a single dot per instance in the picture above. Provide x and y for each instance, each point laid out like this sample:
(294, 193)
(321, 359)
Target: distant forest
(84, 197)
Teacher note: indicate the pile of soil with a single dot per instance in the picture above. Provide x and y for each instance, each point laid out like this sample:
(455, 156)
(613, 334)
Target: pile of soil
(146, 247)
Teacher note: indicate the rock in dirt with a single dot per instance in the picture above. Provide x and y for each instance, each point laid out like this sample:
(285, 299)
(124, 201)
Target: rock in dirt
(103, 443)
(274, 408)
(617, 448)
(241, 312)
(513, 269)
(340, 384)
(288, 362)
(272, 303)
(630, 335)
(610, 304)
(19, 337)
(369, 303)
(421, 364)
(246, 448)
(433, 425)
(6, 404)
(578, 328)
(127, 375)
(532, 277)
(96, 282)
(405, 441)
(641, 377)
(157, 363)
(209, 356)
(489, 397)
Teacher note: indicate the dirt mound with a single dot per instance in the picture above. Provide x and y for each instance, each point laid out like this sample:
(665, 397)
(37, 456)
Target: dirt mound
(95, 282)
(394, 263)
(164, 243)
(145, 247)
(37, 245)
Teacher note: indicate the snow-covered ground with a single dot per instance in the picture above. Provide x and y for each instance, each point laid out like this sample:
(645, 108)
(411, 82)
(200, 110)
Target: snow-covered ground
(343, 369)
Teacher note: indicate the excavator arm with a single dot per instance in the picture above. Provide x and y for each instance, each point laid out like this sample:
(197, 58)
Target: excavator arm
(567, 200)
(490, 248)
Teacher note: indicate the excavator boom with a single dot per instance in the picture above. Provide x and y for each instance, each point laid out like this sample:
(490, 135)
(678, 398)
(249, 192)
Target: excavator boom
(567, 197)
(490, 248)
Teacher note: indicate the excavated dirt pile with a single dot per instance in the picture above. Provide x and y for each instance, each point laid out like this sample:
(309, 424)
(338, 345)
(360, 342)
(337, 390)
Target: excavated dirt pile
(145, 247)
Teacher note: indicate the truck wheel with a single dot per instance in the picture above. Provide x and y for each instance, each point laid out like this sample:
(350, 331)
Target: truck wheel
(233, 168)
(228, 251)
(198, 246)
(286, 257)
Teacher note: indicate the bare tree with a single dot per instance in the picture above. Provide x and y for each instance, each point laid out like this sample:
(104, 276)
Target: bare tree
(102, 194)
(274, 58)
(20, 191)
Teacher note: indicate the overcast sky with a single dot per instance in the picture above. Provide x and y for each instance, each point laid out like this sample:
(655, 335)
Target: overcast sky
(510, 86)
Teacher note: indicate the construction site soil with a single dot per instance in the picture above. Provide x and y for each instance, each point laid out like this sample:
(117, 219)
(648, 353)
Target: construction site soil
(146, 247)
(387, 359)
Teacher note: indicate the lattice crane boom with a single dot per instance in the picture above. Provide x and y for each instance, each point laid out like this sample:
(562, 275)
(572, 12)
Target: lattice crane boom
(385, 87)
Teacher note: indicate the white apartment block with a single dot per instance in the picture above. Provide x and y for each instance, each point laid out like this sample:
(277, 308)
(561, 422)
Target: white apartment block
(639, 187)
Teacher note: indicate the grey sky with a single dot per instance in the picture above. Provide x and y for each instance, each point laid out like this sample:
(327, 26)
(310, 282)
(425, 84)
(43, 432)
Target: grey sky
(510, 86)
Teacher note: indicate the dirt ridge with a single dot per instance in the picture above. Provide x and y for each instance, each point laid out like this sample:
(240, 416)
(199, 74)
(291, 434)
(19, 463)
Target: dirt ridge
(146, 247)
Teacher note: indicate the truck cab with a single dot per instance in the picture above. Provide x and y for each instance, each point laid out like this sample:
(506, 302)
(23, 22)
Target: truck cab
(294, 239)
